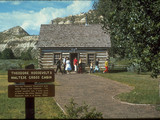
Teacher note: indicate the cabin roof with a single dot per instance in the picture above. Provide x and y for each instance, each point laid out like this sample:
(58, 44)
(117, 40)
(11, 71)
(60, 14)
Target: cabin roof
(73, 36)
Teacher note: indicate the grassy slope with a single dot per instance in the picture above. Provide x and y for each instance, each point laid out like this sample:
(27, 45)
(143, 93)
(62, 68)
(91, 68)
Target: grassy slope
(146, 88)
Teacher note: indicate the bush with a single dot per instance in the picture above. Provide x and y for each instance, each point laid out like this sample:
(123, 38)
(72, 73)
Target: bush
(26, 55)
(137, 68)
(7, 53)
(7, 65)
(81, 112)
(0, 55)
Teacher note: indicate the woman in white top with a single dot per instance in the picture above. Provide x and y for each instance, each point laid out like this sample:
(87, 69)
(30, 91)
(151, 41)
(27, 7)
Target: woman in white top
(68, 66)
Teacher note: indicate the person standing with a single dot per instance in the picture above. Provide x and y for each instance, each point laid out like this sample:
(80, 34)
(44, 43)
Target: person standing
(97, 66)
(80, 66)
(106, 66)
(59, 65)
(91, 67)
(64, 65)
(68, 66)
(75, 63)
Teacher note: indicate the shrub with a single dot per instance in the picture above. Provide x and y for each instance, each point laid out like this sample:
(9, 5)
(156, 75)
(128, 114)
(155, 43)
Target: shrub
(7, 53)
(81, 112)
(0, 55)
(7, 65)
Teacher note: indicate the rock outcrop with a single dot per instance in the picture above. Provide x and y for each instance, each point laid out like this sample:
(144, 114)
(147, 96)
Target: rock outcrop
(18, 40)
(90, 18)
(16, 31)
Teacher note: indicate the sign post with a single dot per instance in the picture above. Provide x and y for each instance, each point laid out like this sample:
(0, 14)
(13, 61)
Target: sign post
(29, 89)
(29, 102)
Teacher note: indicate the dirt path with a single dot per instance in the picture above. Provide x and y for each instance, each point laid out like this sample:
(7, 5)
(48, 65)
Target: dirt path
(98, 92)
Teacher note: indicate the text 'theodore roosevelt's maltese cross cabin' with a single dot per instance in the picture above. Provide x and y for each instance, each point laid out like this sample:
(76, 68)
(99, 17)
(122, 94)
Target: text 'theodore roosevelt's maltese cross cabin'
(86, 42)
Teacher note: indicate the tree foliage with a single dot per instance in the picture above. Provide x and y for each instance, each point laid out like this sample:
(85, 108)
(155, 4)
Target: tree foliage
(134, 27)
(7, 53)
(72, 19)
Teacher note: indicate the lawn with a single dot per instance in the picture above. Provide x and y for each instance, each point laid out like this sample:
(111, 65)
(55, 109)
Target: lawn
(146, 88)
(14, 108)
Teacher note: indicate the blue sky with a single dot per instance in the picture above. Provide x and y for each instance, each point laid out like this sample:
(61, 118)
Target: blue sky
(31, 14)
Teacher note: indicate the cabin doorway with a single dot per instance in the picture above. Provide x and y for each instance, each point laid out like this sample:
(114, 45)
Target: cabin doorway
(72, 56)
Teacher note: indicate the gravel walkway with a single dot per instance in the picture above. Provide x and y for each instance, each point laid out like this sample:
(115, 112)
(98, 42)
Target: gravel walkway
(99, 92)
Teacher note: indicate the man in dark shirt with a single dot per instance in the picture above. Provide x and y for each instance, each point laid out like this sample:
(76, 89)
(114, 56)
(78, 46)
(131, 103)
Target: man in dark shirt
(59, 65)
(64, 65)
(97, 62)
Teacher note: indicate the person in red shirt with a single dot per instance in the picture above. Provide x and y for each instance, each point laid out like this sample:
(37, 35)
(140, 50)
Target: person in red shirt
(75, 63)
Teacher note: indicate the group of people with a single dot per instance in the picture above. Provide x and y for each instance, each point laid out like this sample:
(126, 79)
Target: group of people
(97, 66)
(78, 65)
(67, 65)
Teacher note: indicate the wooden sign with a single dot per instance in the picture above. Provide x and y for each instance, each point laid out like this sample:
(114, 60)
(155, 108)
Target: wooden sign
(30, 75)
(24, 91)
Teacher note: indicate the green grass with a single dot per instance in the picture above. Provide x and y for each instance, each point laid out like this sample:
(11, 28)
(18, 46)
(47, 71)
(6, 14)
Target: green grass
(146, 88)
(46, 108)
(14, 108)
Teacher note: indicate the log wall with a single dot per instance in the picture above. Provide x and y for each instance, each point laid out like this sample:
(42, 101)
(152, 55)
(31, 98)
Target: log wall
(46, 57)
(102, 57)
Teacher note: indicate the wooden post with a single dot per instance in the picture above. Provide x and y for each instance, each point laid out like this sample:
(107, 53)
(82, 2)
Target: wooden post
(29, 102)
(29, 107)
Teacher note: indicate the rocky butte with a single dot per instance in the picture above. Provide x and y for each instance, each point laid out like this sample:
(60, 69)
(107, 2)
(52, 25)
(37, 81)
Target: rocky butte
(18, 40)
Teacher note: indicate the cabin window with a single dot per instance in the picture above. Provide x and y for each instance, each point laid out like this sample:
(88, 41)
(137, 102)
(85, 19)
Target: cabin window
(90, 58)
(56, 57)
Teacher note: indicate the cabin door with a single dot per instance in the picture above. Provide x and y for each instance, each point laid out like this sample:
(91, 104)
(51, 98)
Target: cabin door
(72, 56)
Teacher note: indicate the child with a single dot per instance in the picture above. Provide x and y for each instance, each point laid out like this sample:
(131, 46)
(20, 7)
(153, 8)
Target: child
(97, 66)
(91, 67)
(106, 66)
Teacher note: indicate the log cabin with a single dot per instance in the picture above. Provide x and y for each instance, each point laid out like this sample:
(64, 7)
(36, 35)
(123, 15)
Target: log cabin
(88, 42)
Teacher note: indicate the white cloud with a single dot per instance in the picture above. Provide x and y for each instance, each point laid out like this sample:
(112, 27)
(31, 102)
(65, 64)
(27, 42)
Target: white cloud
(75, 8)
(78, 6)
(15, 2)
(31, 20)
(3, 1)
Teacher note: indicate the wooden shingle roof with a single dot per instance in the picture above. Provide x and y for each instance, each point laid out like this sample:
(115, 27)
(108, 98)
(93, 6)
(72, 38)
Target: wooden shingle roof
(73, 36)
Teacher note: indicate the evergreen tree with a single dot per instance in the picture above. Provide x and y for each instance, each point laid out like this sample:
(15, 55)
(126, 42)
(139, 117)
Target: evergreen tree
(26, 55)
(7, 53)
(0, 55)
(73, 19)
